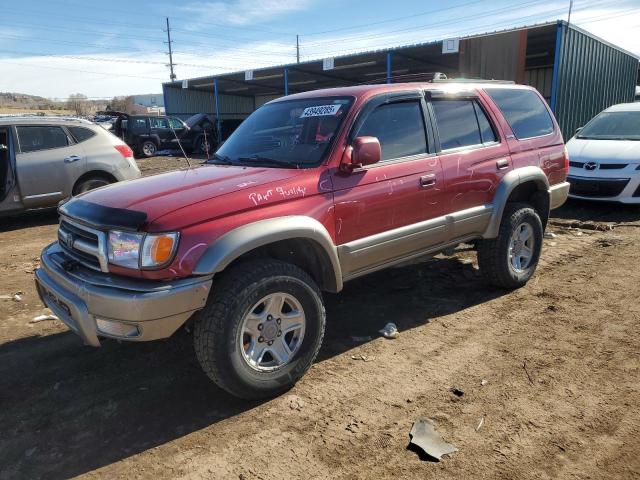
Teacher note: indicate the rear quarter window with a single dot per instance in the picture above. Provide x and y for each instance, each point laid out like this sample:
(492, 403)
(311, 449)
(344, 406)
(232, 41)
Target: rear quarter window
(80, 134)
(524, 110)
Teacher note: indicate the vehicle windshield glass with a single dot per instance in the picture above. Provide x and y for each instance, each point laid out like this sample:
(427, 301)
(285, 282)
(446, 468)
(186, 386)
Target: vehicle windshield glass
(287, 134)
(613, 126)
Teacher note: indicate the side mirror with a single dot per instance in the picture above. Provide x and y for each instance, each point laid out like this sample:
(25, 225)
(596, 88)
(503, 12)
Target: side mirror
(364, 151)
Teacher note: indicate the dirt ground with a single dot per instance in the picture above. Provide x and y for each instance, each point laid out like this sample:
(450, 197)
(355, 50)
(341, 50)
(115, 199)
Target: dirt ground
(560, 360)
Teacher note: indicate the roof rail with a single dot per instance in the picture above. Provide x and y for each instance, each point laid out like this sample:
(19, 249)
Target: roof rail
(471, 80)
(408, 77)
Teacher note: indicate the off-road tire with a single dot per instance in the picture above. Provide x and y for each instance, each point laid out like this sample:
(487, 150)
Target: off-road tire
(493, 254)
(148, 148)
(217, 327)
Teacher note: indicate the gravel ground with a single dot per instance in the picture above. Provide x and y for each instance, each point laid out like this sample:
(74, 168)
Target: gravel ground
(559, 358)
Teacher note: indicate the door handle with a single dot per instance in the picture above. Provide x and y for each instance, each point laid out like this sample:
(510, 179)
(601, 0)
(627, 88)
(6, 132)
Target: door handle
(71, 159)
(428, 181)
(502, 164)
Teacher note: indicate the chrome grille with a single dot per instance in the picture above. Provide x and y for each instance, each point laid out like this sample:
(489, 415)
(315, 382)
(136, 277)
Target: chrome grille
(84, 244)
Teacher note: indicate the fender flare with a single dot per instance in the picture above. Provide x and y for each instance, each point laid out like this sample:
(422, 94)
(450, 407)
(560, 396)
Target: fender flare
(241, 240)
(507, 185)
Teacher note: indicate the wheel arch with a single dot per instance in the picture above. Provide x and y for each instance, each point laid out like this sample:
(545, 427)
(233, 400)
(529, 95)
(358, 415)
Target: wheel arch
(527, 184)
(93, 174)
(300, 240)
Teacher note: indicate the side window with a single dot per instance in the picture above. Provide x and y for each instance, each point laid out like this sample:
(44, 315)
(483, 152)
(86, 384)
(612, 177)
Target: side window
(399, 127)
(486, 130)
(457, 123)
(138, 124)
(526, 113)
(80, 134)
(175, 123)
(34, 138)
(158, 122)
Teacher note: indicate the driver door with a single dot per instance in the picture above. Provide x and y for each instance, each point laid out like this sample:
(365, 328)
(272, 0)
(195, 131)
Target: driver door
(382, 210)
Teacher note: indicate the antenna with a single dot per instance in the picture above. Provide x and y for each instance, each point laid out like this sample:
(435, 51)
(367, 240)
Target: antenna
(297, 48)
(172, 75)
(179, 143)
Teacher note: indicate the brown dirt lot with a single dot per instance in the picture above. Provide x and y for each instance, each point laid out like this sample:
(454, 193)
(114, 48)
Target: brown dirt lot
(561, 358)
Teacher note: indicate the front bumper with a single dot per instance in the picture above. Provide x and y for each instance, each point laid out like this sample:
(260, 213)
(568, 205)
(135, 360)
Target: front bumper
(94, 304)
(609, 186)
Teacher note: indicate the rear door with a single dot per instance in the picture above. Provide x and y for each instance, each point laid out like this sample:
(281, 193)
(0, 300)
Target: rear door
(160, 130)
(48, 161)
(474, 157)
(380, 209)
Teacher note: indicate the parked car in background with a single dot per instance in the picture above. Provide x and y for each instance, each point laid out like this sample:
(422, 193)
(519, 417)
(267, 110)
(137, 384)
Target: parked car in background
(45, 160)
(147, 134)
(311, 191)
(605, 156)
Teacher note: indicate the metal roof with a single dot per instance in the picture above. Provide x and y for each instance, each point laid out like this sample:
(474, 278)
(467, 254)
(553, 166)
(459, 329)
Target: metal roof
(348, 69)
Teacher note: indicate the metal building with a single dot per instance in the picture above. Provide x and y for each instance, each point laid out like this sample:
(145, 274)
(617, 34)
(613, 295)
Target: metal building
(579, 74)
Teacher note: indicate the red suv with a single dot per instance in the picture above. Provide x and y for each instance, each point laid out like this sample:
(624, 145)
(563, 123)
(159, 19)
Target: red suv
(311, 191)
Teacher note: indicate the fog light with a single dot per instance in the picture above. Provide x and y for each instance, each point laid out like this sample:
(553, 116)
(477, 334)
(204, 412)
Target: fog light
(117, 329)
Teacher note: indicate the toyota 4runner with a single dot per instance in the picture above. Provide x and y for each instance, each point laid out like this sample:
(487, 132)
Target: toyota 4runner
(311, 191)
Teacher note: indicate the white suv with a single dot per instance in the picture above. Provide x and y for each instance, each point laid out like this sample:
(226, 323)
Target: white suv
(605, 156)
(45, 160)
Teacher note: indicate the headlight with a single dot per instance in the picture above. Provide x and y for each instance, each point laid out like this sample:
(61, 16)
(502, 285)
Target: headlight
(135, 250)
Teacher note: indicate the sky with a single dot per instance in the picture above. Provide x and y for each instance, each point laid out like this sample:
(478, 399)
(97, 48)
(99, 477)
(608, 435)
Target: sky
(54, 48)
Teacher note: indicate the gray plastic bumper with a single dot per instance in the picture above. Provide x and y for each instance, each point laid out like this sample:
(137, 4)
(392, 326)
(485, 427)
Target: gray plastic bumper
(558, 194)
(94, 304)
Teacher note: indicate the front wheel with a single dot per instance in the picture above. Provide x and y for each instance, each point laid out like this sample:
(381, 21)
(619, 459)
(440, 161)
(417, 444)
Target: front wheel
(261, 328)
(510, 260)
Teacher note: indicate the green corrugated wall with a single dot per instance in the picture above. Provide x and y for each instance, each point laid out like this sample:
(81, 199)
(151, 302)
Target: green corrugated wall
(590, 76)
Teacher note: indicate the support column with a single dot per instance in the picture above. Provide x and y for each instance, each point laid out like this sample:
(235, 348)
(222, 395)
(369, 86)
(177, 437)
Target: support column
(286, 81)
(218, 125)
(388, 67)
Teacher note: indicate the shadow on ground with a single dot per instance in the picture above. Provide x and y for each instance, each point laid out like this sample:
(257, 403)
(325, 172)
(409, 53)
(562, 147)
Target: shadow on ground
(583, 210)
(67, 409)
(29, 219)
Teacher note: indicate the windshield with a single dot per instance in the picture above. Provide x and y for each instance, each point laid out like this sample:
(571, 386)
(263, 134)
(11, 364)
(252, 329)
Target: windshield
(288, 134)
(613, 126)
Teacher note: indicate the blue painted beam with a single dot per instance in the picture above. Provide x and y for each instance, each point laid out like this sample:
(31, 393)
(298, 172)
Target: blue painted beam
(218, 125)
(286, 81)
(388, 67)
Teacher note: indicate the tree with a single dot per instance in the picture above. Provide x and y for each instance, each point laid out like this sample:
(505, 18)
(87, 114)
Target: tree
(78, 104)
(121, 104)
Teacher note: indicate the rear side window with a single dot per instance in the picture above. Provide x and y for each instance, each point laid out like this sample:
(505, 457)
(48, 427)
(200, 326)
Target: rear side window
(137, 124)
(44, 137)
(175, 123)
(399, 127)
(80, 134)
(462, 123)
(525, 112)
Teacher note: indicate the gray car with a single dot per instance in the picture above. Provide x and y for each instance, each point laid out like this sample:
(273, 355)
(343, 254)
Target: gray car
(45, 160)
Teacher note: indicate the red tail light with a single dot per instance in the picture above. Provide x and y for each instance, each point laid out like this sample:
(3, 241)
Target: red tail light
(124, 150)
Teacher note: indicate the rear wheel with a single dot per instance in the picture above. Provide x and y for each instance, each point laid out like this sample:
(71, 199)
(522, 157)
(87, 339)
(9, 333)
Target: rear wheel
(261, 328)
(203, 147)
(89, 183)
(148, 148)
(510, 260)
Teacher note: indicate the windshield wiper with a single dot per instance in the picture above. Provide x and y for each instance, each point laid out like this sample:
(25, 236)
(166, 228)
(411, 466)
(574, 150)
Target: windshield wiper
(269, 161)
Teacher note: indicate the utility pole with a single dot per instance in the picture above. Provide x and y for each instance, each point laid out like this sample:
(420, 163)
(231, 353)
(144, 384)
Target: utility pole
(172, 75)
(570, 8)
(297, 48)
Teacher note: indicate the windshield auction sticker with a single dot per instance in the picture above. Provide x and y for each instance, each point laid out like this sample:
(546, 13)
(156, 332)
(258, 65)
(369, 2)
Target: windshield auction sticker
(320, 111)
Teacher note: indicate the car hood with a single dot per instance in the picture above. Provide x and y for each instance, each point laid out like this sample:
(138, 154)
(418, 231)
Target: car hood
(158, 195)
(604, 151)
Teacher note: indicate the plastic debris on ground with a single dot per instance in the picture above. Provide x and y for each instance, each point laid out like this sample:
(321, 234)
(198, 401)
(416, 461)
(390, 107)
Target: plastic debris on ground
(43, 318)
(423, 435)
(390, 331)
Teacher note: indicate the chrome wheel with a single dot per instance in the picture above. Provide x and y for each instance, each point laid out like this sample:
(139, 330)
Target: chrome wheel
(521, 247)
(272, 331)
